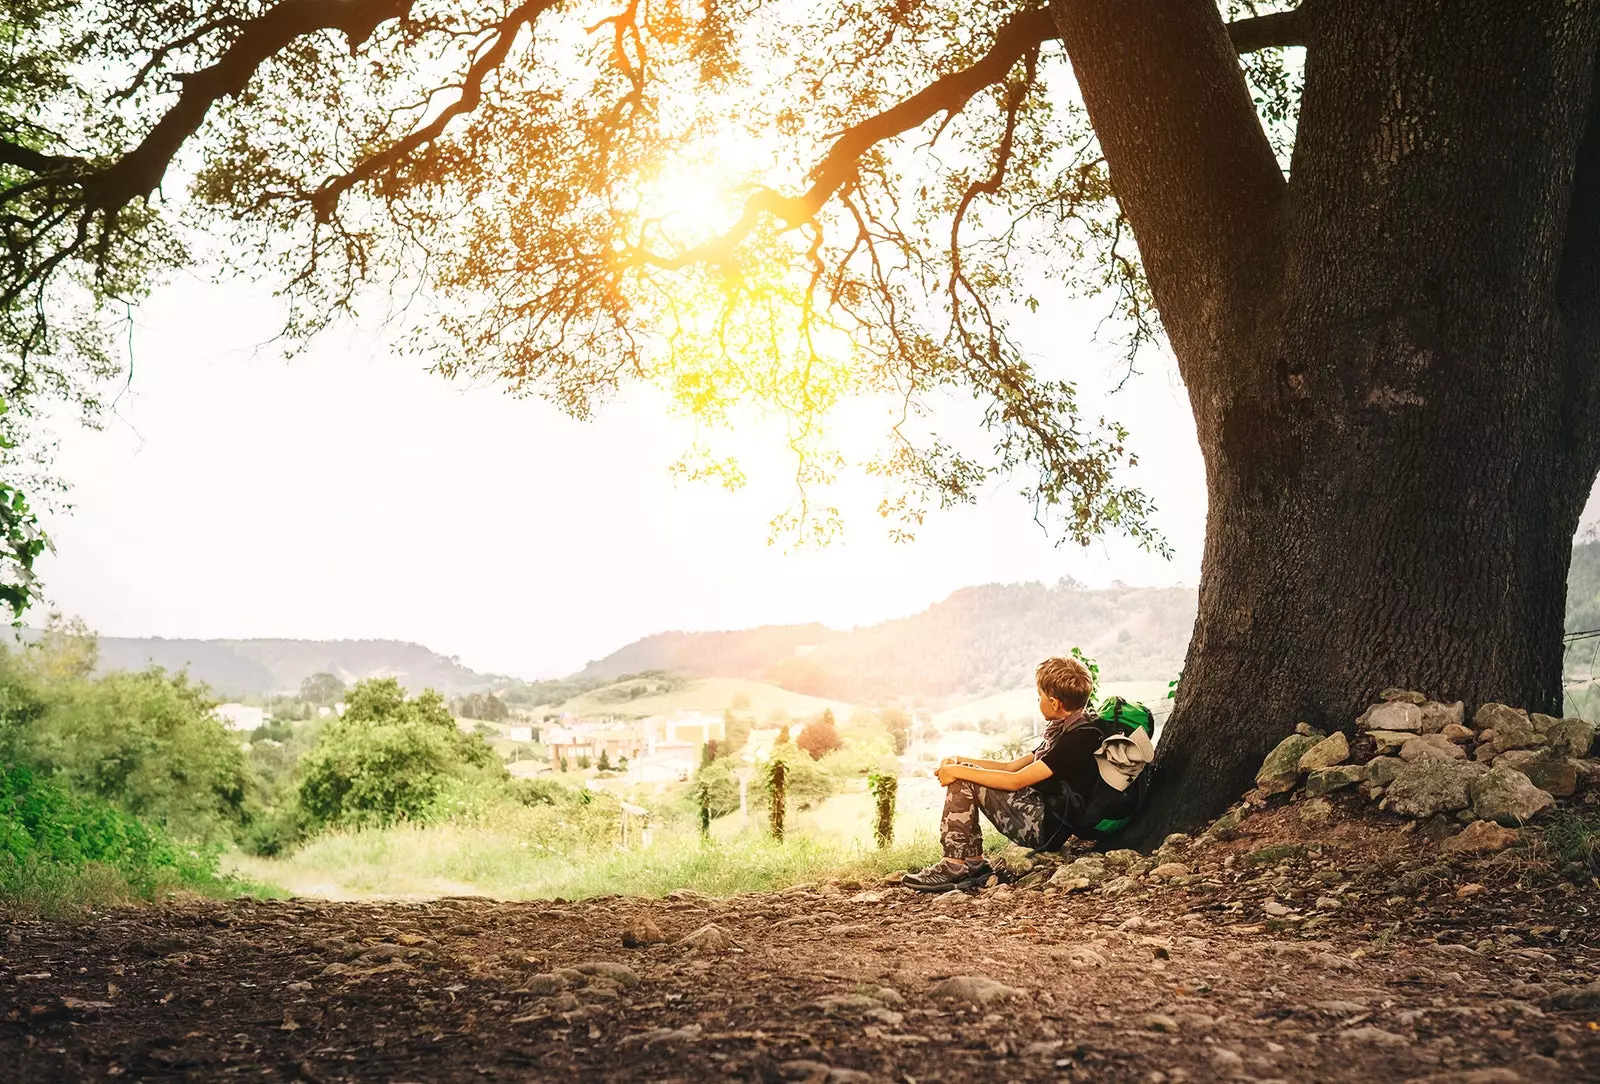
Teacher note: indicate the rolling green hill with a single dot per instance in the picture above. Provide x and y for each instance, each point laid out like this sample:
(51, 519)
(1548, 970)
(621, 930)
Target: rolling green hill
(710, 695)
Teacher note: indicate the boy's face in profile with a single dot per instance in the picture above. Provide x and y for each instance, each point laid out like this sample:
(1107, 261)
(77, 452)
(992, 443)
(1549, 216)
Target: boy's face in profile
(1050, 707)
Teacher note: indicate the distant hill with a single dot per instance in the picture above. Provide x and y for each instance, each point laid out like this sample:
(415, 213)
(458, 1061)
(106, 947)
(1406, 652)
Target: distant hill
(980, 640)
(712, 696)
(239, 668)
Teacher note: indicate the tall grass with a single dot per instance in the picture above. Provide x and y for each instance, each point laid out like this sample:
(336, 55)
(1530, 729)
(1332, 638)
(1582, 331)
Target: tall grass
(451, 859)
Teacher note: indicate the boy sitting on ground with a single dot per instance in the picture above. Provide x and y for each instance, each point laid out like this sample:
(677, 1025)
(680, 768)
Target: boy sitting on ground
(1034, 800)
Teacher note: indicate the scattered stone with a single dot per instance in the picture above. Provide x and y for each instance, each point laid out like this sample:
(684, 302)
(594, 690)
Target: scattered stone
(1328, 780)
(1373, 1036)
(1281, 770)
(1306, 730)
(1431, 745)
(621, 974)
(1506, 796)
(544, 984)
(1480, 837)
(1176, 840)
(1489, 716)
(1327, 903)
(1272, 854)
(1090, 867)
(1457, 732)
(1326, 753)
(642, 931)
(1226, 826)
(1433, 785)
(1437, 716)
(1122, 858)
(975, 989)
(1169, 869)
(1160, 1022)
(818, 1072)
(1570, 737)
(1383, 770)
(1117, 886)
(1556, 775)
(1316, 812)
(1577, 997)
(709, 938)
(1393, 715)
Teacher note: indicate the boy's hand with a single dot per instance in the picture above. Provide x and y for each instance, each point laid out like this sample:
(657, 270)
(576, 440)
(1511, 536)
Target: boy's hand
(946, 774)
(949, 760)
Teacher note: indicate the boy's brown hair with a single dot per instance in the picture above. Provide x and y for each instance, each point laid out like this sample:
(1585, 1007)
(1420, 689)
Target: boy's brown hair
(1065, 679)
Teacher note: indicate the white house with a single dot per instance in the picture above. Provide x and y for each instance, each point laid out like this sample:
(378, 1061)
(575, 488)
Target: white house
(240, 716)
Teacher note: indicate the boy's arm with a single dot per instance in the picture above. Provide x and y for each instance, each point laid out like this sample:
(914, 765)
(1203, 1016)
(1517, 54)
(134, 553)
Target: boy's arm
(1036, 771)
(994, 765)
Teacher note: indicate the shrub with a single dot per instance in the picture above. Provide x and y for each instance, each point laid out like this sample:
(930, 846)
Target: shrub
(820, 737)
(805, 783)
(388, 758)
(51, 839)
(146, 743)
(722, 787)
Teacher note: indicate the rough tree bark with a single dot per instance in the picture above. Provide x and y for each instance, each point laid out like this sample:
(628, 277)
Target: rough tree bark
(1391, 357)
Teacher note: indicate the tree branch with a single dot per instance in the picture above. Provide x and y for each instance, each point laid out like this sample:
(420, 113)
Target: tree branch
(1275, 31)
(139, 171)
(326, 198)
(1017, 37)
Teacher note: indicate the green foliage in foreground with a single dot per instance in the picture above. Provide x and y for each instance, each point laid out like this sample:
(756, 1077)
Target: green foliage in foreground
(59, 851)
(144, 743)
(391, 759)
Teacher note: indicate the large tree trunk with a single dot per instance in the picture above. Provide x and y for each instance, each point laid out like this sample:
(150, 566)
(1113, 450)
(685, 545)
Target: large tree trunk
(1390, 358)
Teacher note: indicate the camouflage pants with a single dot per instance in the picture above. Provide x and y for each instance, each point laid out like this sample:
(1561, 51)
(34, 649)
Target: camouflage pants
(1018, 814)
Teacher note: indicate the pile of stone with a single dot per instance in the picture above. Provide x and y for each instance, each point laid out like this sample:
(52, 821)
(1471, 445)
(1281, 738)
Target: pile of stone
(1420, 758)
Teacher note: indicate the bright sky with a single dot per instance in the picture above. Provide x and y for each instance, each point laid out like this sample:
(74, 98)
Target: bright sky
(346, 493)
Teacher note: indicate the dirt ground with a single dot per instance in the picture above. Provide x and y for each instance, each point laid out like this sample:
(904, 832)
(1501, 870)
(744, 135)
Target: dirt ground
(1356, 953)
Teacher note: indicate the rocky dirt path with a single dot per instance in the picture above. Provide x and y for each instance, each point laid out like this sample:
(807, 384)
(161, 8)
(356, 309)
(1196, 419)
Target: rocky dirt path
(1357, 955)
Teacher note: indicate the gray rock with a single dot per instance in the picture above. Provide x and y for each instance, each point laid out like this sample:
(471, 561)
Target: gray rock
(1117, 886)
(1433, 785)
(1431, 745)
(1392, 715)
(1577, 997)
(1570, 737)
(709, 938)
(1512, 727)
(1405, 695)
(1506, 796)
(621, 974)
(1437, 716)
(1389, 741)
(1226, 826)
(1091, 867)
(1122, 858)
(1555, 775)
(975, 989)
(1281, 770)
(1326, 753)
(1327, 780)
(820, 1072)
(1382, 771)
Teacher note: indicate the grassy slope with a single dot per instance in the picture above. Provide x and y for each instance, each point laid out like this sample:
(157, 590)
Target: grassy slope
(712, 696)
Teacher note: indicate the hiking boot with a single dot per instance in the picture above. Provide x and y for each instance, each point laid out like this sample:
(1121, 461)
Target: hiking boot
(941, 878)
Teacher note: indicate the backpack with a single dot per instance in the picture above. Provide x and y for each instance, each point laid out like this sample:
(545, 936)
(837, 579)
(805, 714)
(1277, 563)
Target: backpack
(1108, 810)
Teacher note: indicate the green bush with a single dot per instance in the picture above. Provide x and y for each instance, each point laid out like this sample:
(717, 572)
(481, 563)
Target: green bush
(146, 743)
(51, 840)
(390, 759)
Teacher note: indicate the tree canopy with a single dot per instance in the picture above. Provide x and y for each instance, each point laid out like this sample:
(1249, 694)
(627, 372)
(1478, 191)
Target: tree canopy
(743, 203)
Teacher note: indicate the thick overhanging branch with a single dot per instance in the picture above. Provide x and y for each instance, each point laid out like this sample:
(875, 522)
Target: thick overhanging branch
(489, 60)
(1019, 36)
(1275, 31)
(137, 173)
